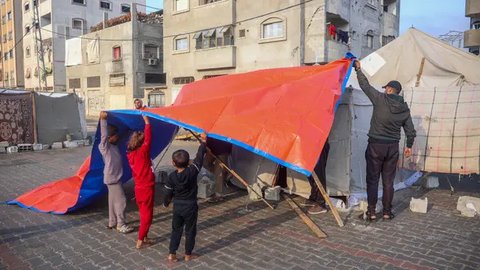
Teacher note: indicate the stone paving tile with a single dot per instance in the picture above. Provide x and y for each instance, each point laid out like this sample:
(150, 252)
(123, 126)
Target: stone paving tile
(231, 235)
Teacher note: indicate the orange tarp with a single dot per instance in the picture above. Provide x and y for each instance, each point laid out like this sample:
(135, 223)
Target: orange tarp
(284, 114)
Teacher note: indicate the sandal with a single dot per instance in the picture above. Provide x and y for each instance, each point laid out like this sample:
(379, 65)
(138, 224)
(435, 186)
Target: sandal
(388, 215)
(368, 216)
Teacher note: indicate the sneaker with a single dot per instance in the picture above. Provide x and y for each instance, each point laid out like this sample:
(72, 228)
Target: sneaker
(317, 209)
(308, 202)
(124, 229)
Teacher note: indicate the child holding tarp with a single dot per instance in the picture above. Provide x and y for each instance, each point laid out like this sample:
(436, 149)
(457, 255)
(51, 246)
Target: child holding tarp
(182, 187)
(112, 173)
(141, 164)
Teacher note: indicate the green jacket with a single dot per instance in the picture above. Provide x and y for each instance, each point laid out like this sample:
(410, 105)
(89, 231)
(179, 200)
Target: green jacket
(390, 114)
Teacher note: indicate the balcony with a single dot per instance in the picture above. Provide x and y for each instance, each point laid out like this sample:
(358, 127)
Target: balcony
(215, 58)
(335, 50)
(471, 38)
(472, 8)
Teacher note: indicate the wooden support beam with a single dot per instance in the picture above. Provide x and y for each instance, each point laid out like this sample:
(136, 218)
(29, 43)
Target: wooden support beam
(310, 224)
(420, 71)
(236, 175)
(327, 200)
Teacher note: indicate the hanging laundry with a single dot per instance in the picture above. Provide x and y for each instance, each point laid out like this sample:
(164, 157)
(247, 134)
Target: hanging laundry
(332, 31)
(342, 36)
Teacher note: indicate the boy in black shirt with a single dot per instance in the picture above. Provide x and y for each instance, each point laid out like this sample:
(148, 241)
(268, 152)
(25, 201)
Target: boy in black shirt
(182, 186)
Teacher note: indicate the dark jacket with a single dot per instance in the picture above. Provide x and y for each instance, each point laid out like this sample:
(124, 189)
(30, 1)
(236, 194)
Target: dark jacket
(183, 185)
(390, 114)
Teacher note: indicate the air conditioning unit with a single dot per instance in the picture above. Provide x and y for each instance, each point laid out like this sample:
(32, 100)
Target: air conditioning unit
(152, 61)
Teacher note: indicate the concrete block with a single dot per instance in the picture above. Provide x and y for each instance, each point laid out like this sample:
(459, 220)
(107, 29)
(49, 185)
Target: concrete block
(12, 149)
(3, 149)
(86, 142)
(22, 147)
(431, 182)
(57, 145)
(70, 144)
(4, 144)
(419, 205)
(252, 195)
(45, 146)
(37, 147)
(206, 188)
(468, 206)
(273, 193)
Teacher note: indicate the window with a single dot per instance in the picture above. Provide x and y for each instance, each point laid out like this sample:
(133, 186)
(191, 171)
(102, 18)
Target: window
(35, 3)
(27, 51)
(5, 56)
(221, 36)
(370, 39)
(93, 82)
(117, 79)
(77, 23)
(79, 2)
(46, 19)
(212, 76)
(10, 53)
(9, 15)
(27, 28)
(151, 51)
(476, 25)
(372, 2)
(10, 35)
(387, 39)
(26, 6)
(183, 80)
(105, 5)
(273, 29)
(241, 33)
(180, 5)
(125, 8)
(4, 38)
(158, 78)
(204, 2)
(117, 53)
(74, 83)
(181, 44)
(4, 19)
(156, 99)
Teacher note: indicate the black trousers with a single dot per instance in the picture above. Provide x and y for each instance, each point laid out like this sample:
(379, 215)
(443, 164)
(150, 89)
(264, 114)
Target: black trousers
(381, 159)
(185, 214)
(320, 170)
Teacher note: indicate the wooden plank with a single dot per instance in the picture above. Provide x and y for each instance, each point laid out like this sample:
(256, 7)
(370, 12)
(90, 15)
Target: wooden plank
(310, 224)
(232, 172)
(327, 200)
(420, 71)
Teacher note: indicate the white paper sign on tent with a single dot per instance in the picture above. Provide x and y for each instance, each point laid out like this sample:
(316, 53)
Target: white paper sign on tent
(372, 63)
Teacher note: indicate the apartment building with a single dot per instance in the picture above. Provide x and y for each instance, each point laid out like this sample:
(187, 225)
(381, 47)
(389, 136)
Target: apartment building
(111, 67)
(11, 75)
(206, 38)
(472, 36)
(60, 20)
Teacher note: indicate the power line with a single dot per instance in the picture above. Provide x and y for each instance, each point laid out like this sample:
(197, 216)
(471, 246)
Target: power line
(191, 32)
(14, 46)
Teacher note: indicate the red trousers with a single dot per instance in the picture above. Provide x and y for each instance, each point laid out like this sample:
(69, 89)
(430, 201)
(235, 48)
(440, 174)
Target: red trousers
(144, 198)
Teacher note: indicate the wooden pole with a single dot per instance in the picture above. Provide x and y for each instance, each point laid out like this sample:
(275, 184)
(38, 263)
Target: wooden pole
(327, 199)
(232, 172)
(315, 229)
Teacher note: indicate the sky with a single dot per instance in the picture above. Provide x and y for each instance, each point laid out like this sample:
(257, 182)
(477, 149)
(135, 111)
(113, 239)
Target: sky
(435, 17)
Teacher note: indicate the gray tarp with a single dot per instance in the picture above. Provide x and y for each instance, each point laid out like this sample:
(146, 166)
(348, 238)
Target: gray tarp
(58, 116)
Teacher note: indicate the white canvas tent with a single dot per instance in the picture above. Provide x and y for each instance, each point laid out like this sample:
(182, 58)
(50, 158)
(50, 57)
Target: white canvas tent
(441, 86)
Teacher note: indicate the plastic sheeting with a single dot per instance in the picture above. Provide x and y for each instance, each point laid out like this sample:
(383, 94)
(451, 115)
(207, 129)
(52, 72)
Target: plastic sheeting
(283, 115)
(59, 116)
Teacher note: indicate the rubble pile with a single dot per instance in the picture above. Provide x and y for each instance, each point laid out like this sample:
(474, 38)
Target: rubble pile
(151, 18)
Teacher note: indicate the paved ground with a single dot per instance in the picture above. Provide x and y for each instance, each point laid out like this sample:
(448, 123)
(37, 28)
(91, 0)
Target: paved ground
(231, 235)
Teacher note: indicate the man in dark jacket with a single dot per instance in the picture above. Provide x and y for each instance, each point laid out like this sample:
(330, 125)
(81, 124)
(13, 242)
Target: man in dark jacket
(390, 114)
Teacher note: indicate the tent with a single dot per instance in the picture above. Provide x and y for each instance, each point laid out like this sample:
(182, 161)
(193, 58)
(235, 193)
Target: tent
(282, 114)
(29, 117)
(442, 87)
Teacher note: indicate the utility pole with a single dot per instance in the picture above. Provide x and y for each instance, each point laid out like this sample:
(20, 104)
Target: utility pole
(42, 74)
